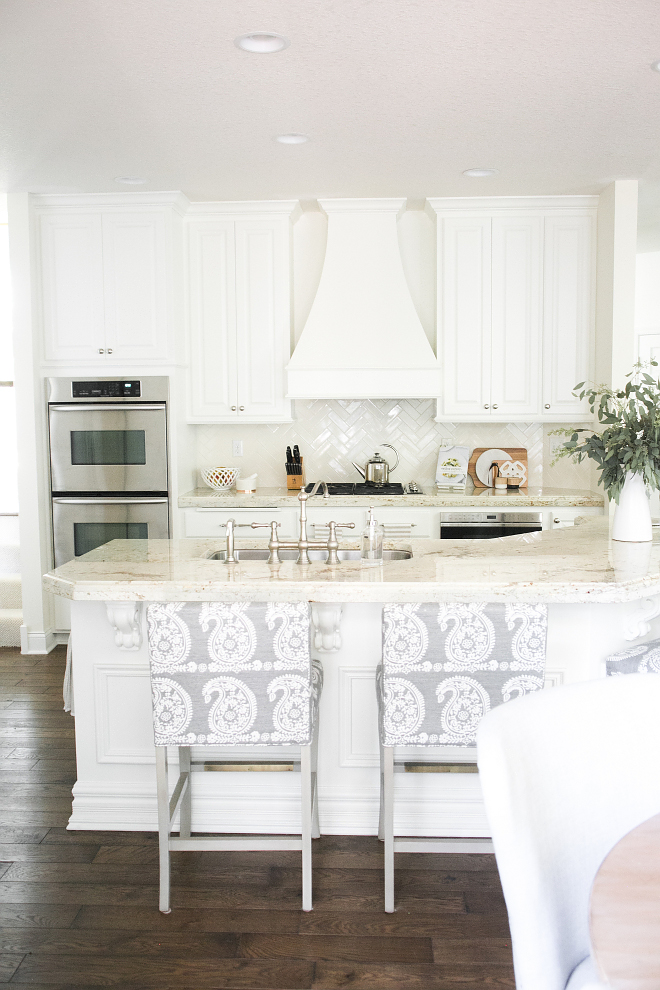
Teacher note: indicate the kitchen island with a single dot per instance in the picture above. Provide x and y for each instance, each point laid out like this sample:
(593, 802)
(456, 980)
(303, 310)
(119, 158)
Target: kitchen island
(602, 597)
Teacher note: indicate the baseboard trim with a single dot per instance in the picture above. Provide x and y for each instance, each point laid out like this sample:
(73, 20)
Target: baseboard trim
(41, 641)
(132, 807)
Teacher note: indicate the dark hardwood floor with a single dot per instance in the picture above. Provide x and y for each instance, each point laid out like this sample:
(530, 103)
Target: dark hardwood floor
(79, 909)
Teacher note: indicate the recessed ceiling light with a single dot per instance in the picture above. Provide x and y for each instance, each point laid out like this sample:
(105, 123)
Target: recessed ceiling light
(262, 42)
(656, 65)
(130, 180)
(292, 138)
(480, 173)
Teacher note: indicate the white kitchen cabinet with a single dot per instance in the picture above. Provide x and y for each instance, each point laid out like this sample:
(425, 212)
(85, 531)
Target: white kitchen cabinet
(72, 285)
(105, 283)
(135, 286)
(212, 522)
(516, 309)
(464, 314)
(569, 308)
(516, 282)
(239, 316)
(491, 316)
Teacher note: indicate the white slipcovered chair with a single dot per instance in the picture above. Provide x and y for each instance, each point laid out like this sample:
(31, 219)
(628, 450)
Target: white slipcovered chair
(565, 774)
(444, 666)
(237, 674)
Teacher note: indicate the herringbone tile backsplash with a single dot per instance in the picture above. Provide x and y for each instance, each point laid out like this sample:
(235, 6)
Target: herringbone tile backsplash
(333, 432)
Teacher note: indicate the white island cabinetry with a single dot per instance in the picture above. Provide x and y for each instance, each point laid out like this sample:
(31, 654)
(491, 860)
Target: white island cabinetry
(597, 604)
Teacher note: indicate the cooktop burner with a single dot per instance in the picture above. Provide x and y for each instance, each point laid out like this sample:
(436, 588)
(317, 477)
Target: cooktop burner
(359, 488)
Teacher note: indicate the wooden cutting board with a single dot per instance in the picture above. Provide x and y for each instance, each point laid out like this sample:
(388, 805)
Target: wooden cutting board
(515, 453)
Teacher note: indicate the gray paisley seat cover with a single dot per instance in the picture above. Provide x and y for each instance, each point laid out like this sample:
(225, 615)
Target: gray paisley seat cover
(237, 674)
(444, 666)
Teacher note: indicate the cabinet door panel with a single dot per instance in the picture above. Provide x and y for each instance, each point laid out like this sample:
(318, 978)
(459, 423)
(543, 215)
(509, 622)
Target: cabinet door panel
(72, 286)
(569, 312)
(465, 313)
(212, 320)
(517, 244)
(135, 286)
(262, 318)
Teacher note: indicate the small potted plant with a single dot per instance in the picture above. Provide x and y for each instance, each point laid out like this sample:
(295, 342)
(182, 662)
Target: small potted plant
(627, 450)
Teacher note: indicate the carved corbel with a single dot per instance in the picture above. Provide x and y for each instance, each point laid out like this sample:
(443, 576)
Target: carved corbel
(639, 623)
(326, 619)
(126, 620)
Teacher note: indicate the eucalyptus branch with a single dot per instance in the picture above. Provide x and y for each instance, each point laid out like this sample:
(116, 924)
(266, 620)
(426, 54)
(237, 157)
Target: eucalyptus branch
(629, 441)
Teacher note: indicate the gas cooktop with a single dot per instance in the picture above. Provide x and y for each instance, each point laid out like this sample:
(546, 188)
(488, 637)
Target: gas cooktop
(359, 488)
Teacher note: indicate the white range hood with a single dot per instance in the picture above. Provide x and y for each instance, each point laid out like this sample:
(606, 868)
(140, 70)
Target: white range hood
(363, 337)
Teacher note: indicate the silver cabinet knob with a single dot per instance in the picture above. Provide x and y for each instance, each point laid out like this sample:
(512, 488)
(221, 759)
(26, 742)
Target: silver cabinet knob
(241, 408)
(486, 406)
(547, 405)
(494, 405)
(101, 350)
(556, 521)
(233, 408)
(109, 350)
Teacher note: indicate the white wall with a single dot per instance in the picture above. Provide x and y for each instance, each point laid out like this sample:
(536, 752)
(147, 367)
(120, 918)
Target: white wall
(37, 631)
(615, 283)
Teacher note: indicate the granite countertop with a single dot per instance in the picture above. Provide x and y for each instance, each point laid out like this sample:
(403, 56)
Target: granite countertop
(573, 565)
(207, 498)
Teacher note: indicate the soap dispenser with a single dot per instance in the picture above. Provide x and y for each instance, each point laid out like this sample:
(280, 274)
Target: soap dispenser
(372, 541)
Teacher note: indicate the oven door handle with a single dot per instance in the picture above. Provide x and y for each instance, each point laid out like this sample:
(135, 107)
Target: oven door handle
(108, 407)
(110, 501)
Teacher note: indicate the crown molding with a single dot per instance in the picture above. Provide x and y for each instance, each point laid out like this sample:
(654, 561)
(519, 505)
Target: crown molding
(496, 204)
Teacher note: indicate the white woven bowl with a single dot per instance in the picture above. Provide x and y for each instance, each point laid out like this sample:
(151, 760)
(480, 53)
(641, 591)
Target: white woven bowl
(220, 478)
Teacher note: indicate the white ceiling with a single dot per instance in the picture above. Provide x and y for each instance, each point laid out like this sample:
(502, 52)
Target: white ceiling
(398, 96)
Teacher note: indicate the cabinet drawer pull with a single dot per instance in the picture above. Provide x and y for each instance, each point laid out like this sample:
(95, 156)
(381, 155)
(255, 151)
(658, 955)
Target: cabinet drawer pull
(101, 350)
(109, 350)
(494, 405)
(547, 405)
(486, 406)
(241, 408)
(233, 408)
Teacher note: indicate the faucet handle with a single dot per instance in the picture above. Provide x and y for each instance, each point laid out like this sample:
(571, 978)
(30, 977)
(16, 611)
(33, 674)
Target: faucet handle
(268, 525)
(332, 543)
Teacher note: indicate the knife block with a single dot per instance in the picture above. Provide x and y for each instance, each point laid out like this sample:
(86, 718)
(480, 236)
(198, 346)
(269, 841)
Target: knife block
(294, 482)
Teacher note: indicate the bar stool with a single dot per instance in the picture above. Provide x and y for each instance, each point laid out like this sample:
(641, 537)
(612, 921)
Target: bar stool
(237, 674)
(444, 666)
(643, 659)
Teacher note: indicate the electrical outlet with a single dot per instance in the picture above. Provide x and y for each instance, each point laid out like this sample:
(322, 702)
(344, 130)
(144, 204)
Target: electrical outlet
(237, 448)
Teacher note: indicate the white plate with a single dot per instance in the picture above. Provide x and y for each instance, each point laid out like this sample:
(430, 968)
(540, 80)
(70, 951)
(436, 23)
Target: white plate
(482, 467)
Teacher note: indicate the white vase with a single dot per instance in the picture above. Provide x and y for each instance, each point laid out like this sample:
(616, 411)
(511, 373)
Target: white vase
(632, 516)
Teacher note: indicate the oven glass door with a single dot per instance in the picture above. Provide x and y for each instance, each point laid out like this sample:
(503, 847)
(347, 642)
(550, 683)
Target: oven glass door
(82, 524)
(99, 447)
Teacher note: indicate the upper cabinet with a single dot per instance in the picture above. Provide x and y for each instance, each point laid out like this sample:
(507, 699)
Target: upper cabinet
(239, 285)
(107, 280)
(568, 312)
(515, 307)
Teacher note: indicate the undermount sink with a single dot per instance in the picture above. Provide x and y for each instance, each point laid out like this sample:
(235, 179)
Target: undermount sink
(314, 555)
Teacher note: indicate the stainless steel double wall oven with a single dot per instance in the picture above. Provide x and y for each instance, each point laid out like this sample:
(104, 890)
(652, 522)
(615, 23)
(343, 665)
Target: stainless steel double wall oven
(108, 461)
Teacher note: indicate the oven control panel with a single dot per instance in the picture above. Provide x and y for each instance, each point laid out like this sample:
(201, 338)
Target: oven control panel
(105, 390)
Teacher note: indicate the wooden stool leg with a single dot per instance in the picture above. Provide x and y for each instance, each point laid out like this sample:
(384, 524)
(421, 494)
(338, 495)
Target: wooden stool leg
(306, 810)
(163, 829)
(185, 813)
(388, 825)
